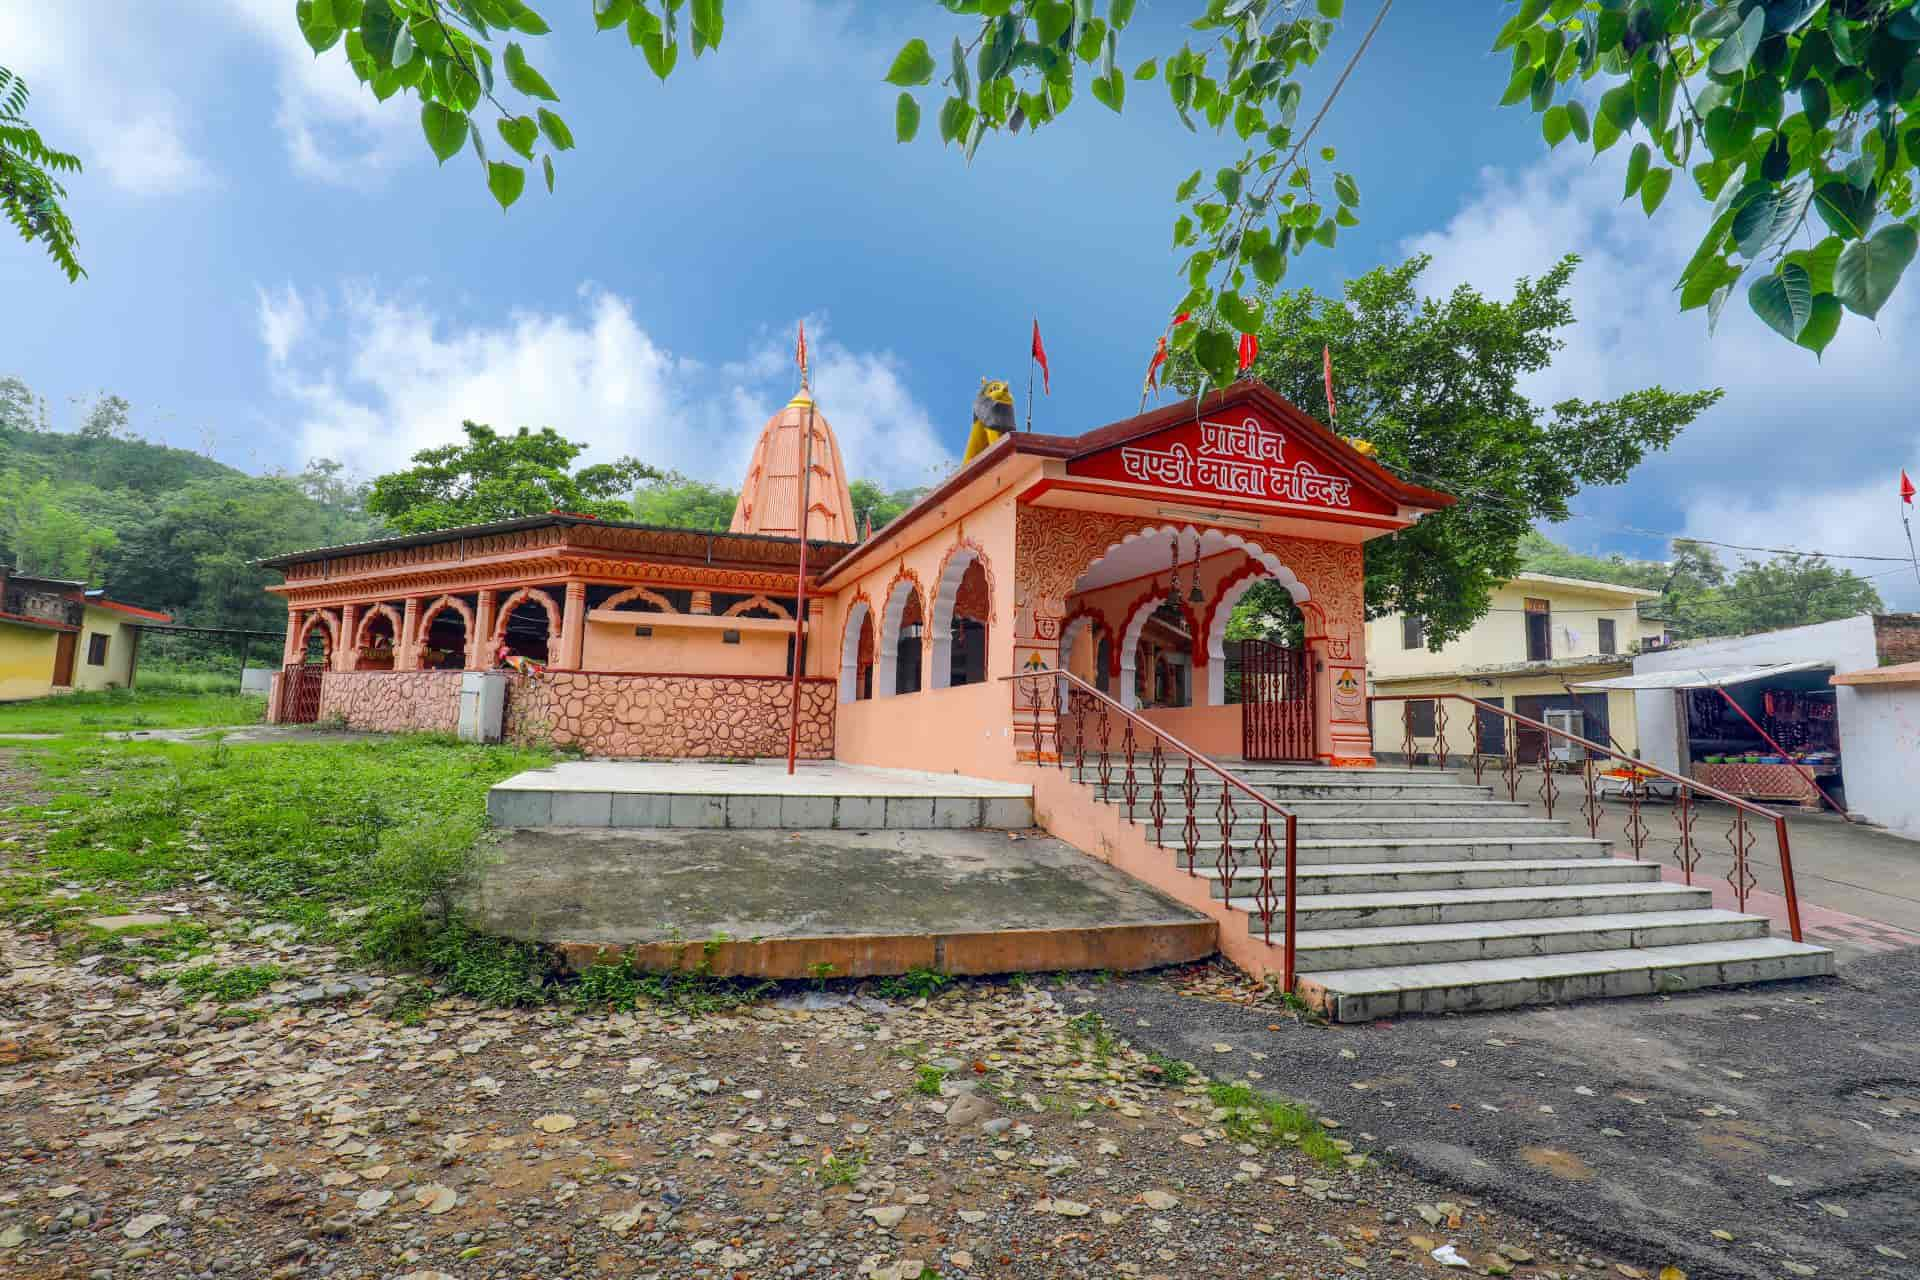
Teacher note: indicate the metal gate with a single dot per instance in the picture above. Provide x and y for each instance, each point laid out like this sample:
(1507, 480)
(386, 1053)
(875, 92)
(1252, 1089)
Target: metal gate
(300, 694)
(1276, 702)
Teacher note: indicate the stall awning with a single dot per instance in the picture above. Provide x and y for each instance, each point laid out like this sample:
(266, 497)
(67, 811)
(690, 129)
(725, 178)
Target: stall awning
(1700, 677)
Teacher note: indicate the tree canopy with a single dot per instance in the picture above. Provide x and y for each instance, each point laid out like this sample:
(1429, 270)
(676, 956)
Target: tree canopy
(676, 502)
(1433, 384)
(497, 477)
(1703, 88)
(1699, 597)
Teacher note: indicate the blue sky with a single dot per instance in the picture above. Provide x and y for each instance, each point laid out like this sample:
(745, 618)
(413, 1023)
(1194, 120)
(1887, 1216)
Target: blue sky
(279, 270)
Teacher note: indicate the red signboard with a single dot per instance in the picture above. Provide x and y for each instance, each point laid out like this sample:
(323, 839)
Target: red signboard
(1238, 455)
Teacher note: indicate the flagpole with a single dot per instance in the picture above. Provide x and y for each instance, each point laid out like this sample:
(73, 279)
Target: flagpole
(800, 592)
(1032, 360)
(1907, 524)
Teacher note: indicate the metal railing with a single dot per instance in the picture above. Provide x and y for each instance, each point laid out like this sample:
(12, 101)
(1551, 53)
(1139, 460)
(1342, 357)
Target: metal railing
(1132, 771)
(1634, 778)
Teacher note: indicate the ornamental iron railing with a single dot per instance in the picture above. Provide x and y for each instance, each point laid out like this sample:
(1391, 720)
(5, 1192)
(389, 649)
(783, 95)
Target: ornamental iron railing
(1126, 759)
(1495, 735)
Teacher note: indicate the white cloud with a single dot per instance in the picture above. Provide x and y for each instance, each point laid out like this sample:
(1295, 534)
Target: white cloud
(1798, 453)
(97, 93)
(374, 379)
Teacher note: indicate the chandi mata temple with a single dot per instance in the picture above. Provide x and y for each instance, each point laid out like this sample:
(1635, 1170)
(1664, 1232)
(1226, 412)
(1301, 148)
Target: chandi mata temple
(1117, 555)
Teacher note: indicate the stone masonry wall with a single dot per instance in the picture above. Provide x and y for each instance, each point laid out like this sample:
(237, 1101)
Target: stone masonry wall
(669, 716)
(392, 701)
(1896, 636)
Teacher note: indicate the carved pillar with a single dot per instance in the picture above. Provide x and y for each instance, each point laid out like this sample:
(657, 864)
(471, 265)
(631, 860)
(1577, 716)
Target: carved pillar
(480, 643)
(346, 654)
(406, 656)
(702, 602)
(573, 627)
(816, 651)
(292, 648)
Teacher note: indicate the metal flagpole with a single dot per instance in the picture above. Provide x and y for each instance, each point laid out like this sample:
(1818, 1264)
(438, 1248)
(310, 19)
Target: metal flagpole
(800, 593)
(1907, 524)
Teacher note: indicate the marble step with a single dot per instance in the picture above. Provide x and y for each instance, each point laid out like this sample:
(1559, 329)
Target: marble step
(1207, 827)
(1325, 949)
(1287, 793)
(1461, 906)
(1360, 808)
(1358, 995)
(1433, 877)
(1410, 854)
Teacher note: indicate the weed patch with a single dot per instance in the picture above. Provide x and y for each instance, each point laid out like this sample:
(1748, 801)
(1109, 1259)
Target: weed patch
(1267, 1121)
(242, 982)
(914, 984)
(928, 1080)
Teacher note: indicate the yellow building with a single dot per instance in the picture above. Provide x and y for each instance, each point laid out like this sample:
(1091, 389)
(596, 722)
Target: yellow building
(56, 636)
(1541, 634)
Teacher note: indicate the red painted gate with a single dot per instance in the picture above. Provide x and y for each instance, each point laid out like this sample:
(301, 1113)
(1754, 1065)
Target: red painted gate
(300, 694)
(1276, 702)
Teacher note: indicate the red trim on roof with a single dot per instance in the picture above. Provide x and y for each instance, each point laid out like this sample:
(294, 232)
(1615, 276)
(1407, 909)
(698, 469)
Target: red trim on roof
(23, 620)
(154, 615)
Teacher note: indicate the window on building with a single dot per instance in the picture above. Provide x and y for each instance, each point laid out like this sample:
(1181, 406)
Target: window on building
(1539, 620)
(1413, 632)
(97, 650)
(1609, 641)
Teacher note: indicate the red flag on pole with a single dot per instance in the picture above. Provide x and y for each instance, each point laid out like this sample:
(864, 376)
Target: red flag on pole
(1159, 358)
(1326, 365)
(1249, 351)
(800, 353)
(1906, 487)
(1040, 356)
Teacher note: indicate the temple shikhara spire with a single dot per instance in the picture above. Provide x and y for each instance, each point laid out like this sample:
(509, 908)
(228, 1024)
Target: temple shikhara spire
(770, 496)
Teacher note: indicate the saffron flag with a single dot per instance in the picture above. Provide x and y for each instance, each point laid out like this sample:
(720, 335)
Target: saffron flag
(1906, 487)
(1153, 366)
(1040, 355)
(1249, 351)
(800, 352)
(1326, 365)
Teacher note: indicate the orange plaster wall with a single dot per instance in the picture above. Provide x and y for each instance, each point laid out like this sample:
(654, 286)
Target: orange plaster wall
(965, 730)
(1212, 731)
(614, 647)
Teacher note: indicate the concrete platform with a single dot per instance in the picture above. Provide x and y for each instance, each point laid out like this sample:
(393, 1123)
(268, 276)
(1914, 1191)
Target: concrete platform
(761, 795)
(776, 904)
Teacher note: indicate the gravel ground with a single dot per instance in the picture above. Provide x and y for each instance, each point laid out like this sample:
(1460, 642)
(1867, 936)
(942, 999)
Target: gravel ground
(1769, 1131)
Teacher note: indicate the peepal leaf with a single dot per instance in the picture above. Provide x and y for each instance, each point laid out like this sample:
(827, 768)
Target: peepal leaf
(1784, 300)
(1868, 270)
(906, 118)
(524, 78)
(912, 65)
(1822, 323)
(556, 130)
(506, 181)
(519, 133)
(1737, 50)
(446, 129)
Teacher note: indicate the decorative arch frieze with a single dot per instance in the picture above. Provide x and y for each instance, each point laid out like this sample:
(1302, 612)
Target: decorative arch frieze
(647, 594)
(386, 611)
(745, 607)
(961, 556)
(514, 601)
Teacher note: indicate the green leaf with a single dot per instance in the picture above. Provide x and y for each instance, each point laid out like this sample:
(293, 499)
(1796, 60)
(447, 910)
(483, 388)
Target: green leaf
(1865, 276)
(1816, 103)
(1186, 189)
(709, 21)
(1734, 52)
(1605, 132)
(521, 18)
(1819, 262)
(403, 46)
(1119, 13)
(912, 65)
(1146, 70)
(1616, 104)
(1555, 125)
(519, 133)
(317, 24)
(1577, 117)
(378, 26)
(1216, 352)
(906, 117)
(962, 78)
(1637, 167)
(1051, 21)
(1653, 188)
(1110, 90)
(1227, 183)
(1345, 188)
(1784, 300)
(1270, 264)
(556, 130)
(506, 181)
(608, 14)
(523, 77)
(956, 116)
(1823, 321)
(1844, 207)
(1330, 8)
(446, 129)
(1234, 310)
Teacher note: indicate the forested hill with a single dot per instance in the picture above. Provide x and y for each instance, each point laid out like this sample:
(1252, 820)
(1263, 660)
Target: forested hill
(158, 526)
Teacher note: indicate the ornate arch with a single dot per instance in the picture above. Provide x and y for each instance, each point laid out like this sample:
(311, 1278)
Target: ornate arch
(640, 593)
(1137, 613)
(313, 619)
(905, 586)
(392, 616)
(758, 602)
(1085, 618)
(962, 555)
(505, 613)
(1220, 612)
(858, 615)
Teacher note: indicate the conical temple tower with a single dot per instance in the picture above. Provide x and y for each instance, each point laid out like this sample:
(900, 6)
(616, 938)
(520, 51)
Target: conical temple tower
(770, 498)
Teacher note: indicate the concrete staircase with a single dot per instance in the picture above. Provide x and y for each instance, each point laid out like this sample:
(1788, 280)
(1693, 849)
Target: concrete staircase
(1421, 893)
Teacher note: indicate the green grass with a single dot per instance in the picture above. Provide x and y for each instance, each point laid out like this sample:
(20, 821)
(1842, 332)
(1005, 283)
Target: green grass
(843, 1170)
(1267, 1121)
(915, 984)
(363, 842)
(928, 1080)
(106, 710)
(242, 982)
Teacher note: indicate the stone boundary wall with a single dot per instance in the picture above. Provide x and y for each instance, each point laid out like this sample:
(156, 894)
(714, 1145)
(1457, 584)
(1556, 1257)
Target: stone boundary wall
(392, 701)
(669, 716)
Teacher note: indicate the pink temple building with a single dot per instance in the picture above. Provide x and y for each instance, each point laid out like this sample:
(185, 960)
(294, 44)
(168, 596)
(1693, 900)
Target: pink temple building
(1118, 555)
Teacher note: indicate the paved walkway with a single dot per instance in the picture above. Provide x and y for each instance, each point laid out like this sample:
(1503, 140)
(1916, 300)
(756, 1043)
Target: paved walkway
(754, 777)
(1771, 1131)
